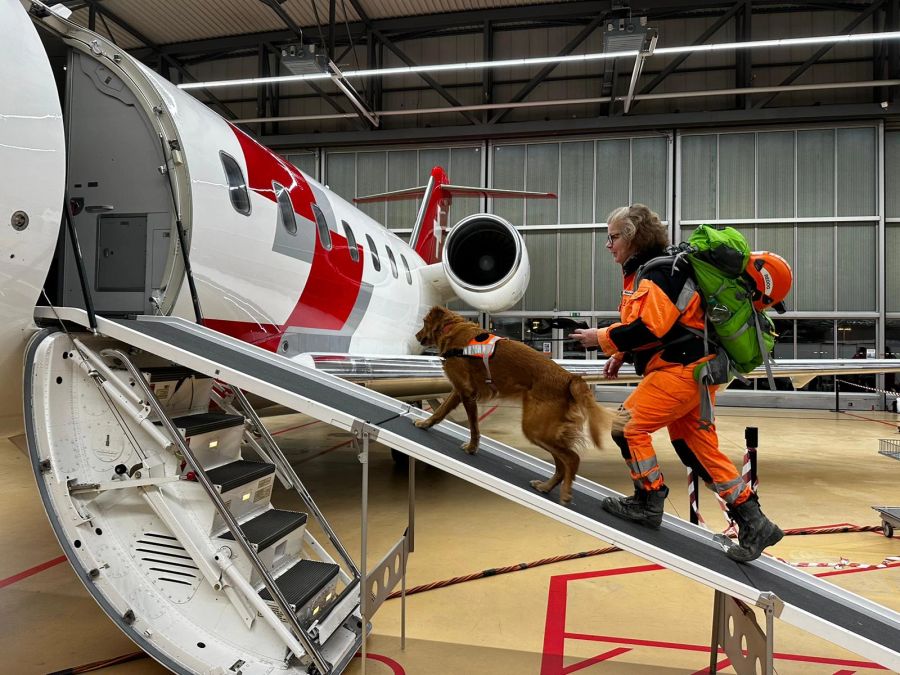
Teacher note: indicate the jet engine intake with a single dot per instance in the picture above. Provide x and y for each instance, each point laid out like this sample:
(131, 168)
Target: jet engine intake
(486, 262)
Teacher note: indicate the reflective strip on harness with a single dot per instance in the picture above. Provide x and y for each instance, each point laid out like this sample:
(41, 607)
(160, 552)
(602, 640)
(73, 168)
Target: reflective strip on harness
(484, 349)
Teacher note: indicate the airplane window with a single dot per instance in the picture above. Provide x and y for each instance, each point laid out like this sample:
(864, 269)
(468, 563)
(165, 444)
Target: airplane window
(237, 186)
(322, 225)
(285, 209)
(376, 262)
(392, 261)
(406, 267)
(351, 241)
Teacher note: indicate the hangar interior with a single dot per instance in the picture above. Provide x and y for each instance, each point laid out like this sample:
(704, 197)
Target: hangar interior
(793, 145)
(796, 146)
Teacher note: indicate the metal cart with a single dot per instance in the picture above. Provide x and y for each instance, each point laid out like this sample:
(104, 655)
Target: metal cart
(890, 515)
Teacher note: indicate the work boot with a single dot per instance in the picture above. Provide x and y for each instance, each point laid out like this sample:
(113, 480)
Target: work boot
(645, 507)
(755, 533)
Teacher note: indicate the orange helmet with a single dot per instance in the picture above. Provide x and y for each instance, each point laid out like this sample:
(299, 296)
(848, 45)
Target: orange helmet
(772, 277)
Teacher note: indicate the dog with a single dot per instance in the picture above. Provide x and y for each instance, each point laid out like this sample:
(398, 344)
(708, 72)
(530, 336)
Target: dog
(556, 405)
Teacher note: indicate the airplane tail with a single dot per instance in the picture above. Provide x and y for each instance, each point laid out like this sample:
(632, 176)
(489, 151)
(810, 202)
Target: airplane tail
(431, 228)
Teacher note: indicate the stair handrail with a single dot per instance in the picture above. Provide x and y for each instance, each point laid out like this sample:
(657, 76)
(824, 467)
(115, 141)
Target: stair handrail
(286, 468)
(233, 526)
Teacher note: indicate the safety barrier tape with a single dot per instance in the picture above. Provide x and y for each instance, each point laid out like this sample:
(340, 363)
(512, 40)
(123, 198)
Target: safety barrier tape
(886, 392)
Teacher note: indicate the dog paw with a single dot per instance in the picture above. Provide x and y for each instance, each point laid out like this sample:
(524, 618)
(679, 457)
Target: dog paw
(423, 424)
(539, 486)
(470, 448)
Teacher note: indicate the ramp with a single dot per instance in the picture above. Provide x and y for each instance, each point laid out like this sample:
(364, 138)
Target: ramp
(846, 619)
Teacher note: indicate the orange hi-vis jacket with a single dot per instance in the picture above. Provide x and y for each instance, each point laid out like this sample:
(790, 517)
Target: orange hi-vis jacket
(659, 319)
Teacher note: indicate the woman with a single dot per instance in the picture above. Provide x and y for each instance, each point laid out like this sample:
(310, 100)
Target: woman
(661, 332)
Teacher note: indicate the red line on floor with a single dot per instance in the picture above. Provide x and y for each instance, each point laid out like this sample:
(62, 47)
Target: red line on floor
(389, 662)
(703, 648)
(299, 426)
(844, 672)
(724, 663)
(605, 656)
(489, 412)
(325, 451)
(9, 581)
(555, 622)
(868, 419)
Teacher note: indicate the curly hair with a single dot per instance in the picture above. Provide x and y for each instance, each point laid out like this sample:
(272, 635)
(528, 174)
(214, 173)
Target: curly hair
(640, 227)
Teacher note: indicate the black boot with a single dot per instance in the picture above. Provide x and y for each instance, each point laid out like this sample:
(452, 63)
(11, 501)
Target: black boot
(645, 507)
(756, 531)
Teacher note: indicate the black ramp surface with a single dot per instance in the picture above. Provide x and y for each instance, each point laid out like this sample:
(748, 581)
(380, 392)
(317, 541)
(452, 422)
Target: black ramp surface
(709, 556)
(261, 369)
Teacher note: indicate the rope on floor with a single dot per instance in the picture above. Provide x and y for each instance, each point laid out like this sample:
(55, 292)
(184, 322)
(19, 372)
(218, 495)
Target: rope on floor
(820, 529)
(495, 571)
(97, 665)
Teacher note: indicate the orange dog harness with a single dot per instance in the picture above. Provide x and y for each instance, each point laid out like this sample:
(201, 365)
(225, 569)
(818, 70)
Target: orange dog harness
(481, 346)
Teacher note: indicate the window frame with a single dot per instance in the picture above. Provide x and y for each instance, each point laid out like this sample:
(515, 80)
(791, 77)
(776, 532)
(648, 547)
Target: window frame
(235, 190)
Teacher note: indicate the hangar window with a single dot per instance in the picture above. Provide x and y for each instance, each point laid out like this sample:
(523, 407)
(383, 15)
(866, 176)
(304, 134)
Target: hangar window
(322, 227)
(376, 262)
(406, 267)
(286, 216)
(351, 241)
(237, 186)
(392, 261)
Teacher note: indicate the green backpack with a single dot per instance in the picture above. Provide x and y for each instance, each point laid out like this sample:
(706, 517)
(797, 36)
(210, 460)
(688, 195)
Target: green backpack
(719, 258)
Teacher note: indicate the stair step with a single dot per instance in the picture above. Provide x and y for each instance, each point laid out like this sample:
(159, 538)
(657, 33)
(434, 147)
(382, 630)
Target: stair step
(270, 526)
(241, 472)
(170, 372)
(303, 581)
(204, 423)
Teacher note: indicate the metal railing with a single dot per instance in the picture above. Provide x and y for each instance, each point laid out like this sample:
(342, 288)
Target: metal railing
(233, 526)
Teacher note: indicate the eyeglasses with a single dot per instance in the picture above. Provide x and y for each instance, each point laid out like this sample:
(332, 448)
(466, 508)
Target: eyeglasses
(610, 238)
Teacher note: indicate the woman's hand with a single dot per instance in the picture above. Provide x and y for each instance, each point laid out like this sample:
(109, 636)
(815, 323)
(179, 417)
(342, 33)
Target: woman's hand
(611, 368)
(586, 336)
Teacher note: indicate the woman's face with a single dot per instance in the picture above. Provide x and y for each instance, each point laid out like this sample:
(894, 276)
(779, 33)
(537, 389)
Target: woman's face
(616, 244)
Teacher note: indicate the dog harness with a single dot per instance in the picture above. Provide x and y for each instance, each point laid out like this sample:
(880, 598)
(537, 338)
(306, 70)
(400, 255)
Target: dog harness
(481, 346)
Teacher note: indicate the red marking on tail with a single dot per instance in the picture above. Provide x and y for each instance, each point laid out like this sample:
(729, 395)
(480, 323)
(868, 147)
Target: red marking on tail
(429, 243)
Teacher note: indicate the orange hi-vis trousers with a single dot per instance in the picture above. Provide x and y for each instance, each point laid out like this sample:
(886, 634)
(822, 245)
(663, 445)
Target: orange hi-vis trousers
(670, 397)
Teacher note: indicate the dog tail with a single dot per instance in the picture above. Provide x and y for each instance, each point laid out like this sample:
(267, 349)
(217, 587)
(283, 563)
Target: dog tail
(598, 419)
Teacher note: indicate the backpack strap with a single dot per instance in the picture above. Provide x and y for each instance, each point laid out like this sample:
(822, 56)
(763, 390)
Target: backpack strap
(767, 360)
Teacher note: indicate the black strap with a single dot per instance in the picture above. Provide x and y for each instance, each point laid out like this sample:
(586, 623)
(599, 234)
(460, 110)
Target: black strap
(452, 352)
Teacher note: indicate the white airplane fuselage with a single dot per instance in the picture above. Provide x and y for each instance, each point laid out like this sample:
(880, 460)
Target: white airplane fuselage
(277, 259)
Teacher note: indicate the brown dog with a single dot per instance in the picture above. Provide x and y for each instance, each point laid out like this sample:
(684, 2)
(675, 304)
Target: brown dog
(556, 405)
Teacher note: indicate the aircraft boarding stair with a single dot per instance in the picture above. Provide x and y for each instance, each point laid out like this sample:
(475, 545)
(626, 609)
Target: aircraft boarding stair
(862, 626)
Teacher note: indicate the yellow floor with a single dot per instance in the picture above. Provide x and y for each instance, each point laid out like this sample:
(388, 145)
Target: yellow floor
(599, 614)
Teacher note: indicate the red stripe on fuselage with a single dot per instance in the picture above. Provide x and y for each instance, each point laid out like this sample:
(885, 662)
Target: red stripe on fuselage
(334, 282)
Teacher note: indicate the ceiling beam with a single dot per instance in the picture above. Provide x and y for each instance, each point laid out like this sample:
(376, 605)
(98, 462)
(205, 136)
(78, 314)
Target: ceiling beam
(535, 81)
(585, 125)
(824, 49)
(386, 41)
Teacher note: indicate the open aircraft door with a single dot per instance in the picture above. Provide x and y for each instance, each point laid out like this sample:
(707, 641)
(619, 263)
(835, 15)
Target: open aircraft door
(33, 155)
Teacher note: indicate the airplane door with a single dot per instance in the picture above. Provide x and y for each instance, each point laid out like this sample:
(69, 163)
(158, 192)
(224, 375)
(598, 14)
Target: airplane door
(123, 200)
(32, 175)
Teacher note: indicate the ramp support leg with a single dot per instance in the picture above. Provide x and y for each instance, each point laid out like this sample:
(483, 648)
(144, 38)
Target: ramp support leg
(732, 614)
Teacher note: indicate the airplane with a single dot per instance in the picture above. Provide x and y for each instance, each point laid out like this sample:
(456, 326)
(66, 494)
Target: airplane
(134, 198)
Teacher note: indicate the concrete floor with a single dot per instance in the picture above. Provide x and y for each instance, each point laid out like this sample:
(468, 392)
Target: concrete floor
(609, 613)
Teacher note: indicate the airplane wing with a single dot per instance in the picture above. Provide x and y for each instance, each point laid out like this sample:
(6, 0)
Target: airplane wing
(416, 377)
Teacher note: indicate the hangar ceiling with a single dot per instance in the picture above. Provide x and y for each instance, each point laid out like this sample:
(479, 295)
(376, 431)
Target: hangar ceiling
(191, 40)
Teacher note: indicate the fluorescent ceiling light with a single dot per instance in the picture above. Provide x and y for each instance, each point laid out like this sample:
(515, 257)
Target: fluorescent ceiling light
(572, 58)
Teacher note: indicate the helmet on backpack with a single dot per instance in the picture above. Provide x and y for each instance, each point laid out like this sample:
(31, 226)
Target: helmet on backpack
(772, 278)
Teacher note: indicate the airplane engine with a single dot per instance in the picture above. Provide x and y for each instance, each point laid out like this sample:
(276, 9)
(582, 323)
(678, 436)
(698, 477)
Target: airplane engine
(486, 262)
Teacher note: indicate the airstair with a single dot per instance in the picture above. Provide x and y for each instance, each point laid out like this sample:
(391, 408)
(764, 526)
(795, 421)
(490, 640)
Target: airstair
(92, 479)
